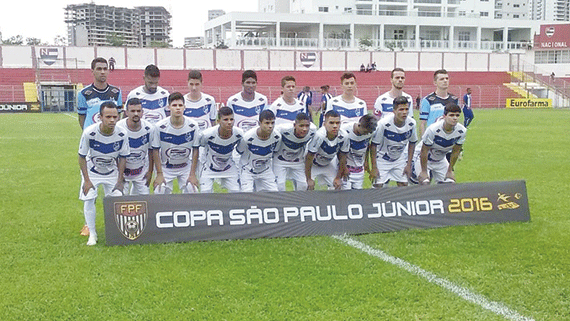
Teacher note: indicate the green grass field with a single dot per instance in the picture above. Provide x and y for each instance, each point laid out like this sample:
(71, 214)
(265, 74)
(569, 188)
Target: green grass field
(49, 274)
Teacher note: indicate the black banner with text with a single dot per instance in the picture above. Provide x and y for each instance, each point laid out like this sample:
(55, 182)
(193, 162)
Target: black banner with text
(221, 216)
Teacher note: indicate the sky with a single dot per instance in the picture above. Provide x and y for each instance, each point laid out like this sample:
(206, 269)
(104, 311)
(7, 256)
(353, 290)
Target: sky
(45, 20)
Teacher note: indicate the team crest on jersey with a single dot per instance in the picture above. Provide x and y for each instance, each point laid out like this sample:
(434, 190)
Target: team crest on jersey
(206, 109)
(258, 109)
(131, 218)
(189, 136)
(116, 146)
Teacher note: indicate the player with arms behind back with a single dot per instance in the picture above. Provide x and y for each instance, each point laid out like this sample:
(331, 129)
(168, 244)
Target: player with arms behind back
(153, 98)
(102, 157)
(393, 144)
(442, 137)
(287, 107)
(348, 106)
(199, 106)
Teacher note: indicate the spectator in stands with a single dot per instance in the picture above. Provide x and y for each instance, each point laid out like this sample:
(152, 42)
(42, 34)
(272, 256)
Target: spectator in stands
(325, 97)
(467, 111)
(362, 68)
(112, 63)
(418, 100)
(153, 98)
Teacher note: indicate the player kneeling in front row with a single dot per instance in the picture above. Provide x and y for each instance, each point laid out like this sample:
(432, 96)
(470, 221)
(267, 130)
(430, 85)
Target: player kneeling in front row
(102, 156)
(176, 136)
(390, 158)
(143, 143)
(440, 138)
(329, 143)
(289, 159)
(218, 144)
(358, 134)
(256, 149)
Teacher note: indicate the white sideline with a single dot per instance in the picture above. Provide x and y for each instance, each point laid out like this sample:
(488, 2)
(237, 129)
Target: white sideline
(70, 115)
(466, 294)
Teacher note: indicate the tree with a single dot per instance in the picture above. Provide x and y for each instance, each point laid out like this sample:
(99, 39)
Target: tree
(221, 45)
(365, 43)
(59, 40)
(14, 40)
(115, 40)
(35, 42)
(159, 44)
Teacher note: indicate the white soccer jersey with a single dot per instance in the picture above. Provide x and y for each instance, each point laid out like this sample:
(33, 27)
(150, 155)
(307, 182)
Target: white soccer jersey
(140, 142)
(246, 113)
(441, 142)
(256, 154)
(203, 111)
(392, 141)
(291, 150)
(325, 150)
(358, 145)
(348, 111)
(154, 105)
(384, 104)
(218, 151)
(176, 143)
(101, 151)
(285, 113)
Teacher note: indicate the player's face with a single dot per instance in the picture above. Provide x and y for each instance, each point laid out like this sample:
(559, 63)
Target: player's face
(469, 91)
(442, 81)
(401, 112)
(348, 86)
(267, 125)
(226, 122)
(109, 118)
(100, 72)
(151, 84)
(289, 89)
(398, 79)
(134, 112)
(332, 125)
(195, 86)
(452, 118)
(302, 128)
(177, 108)
(249, 85)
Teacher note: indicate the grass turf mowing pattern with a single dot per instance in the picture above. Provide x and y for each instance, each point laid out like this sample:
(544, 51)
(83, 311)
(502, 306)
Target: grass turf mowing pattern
(48, 272)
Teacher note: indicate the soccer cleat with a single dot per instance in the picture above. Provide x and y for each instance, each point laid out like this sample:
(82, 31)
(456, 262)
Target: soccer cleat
(92, 240)
(84, 231)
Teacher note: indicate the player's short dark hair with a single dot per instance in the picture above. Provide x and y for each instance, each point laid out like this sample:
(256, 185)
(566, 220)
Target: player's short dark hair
(302, 116)
(306, 88)
(225, 111)
(394, 70)
(368, 122)
(451, 108)
(151, 71)
(133, 101)
(286, 79)
(175, 96)
(98, 59)
(400, 100)
(107, 104)
(248, 74)
(195, 74)
(331, 113)
(325, 87)
(266, 115)
(468, 88)
(439, 72)
(347, 75)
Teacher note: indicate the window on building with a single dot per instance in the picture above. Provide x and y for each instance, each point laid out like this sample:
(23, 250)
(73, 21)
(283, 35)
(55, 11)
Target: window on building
(464, 36)
(399, 34)
(484, 14)
(462, 13)
(347, 9)
(515, 16)
(516, 5)
(323, 9)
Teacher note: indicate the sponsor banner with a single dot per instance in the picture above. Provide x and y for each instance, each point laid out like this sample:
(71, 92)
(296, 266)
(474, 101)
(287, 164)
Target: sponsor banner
(308, 61)
(555, 36)
(529, 103)
(200, 217)
(20, 108)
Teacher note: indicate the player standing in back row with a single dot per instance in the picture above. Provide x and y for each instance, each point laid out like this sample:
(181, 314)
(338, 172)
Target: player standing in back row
(384, 104)
(199, 106)
(348, 106)
(247, 104)
(432, 105)
(153, 98)
(287, 107)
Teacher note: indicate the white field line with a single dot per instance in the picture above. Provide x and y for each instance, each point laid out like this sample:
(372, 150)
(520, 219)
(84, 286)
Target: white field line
(70, 115)
(466, 294)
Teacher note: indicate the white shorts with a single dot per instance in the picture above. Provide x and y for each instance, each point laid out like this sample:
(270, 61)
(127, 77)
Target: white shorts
(170, 175)
(228, 179)
(136, 184)
(436, 170)
(325, 174)
(263, 182)
(294, 172)
(392, 170)
(108, 182)
(355, 179)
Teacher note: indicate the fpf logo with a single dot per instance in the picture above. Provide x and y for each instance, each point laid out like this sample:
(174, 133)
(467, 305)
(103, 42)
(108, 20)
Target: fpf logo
(131, 218)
